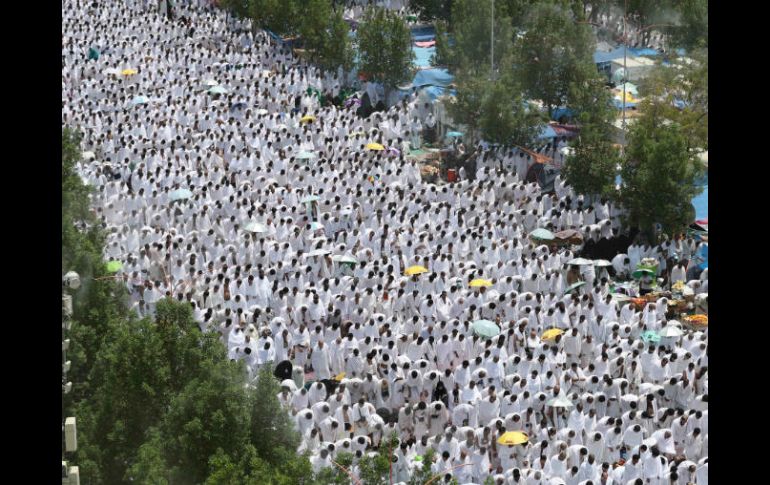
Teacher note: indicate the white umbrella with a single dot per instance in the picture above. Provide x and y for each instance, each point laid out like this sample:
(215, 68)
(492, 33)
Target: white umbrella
(671, 331)
(290, 384)
(88, 155)
(579, 262)
(256, 227)
(317, 252)
(602, 263)
(261, 111)
(559, 402)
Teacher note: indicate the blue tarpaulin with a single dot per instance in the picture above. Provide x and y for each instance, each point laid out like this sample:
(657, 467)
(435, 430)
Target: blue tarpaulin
(547, 132)
(432, 77)
(602, 57)
(422, 55)
(701, 201)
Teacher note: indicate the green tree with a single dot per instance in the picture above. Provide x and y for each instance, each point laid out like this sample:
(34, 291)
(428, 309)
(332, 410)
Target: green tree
(313, 22)
(554, 55)
(506, 118)
(658, 176)
(679, 93)
(428, 10)
(337, 48)
(692, 30)
(472, 30)
(272, 431)
(592, 168)
(278, 16)
(375, 469)
(385, 48)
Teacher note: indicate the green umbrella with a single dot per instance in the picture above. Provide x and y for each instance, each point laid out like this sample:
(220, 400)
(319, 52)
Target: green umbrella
(217, 90)
(179, 195)
(310, 198)
(641, 272)
(305, 155)
(650, 336)
(485, 328)
(114, 266)
(542, 234)
(574, 286)
(559, 402)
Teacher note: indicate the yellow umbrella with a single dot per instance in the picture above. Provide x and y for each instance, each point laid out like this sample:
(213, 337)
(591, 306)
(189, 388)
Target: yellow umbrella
(307, 118)
(511, 438)
(375, 146)
(552, 333)
(413, 270)
(480, 282)
(339, 377)
(129, 72)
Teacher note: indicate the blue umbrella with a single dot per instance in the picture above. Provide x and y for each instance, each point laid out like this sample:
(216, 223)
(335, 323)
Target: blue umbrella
(454, 134)
(650, 336)
(305, 155)
(179, 195)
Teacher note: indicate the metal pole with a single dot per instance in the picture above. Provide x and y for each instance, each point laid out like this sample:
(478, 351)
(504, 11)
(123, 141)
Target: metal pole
(625, 68)
(492, 49)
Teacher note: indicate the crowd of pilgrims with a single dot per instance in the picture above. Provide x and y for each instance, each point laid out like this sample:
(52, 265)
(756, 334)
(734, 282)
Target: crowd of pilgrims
(411, 362)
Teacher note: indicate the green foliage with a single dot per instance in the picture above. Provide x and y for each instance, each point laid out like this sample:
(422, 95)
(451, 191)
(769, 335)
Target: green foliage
(239, 8)
(591, 170)
(687, 82)
(428, 10)
(692, 30)
(335, 475)
(271, 428)
(385, 47)
(375, 469)
(658, 176)
(278, 16)
(554, 55)
(336, 48)
(424, 473)
(472, 29)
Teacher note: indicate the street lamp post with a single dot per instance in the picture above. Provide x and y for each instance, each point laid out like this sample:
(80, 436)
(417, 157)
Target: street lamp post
(492, 43)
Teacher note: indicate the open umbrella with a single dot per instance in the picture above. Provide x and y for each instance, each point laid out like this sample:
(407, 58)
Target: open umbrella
(559, 402)
(217, 90)
(574, 286)
(485, 328)
(579, 262)
(671, 331)
(129, 72)
(542, 234)
(303, 155)
(140, 100)
(478, 282)
(650, 336)
(111, 71)
(179, 195)
(317, 252)
(413, 270)
(114, 266)
(256, 227)
(261, 111)
(316, 226)
(210, 83)
(641, 272)
(551, 334)
(345, 259)
(602, 263)
(310, 198)
(375, 146)
(454, 134)
(307, 119)
(89, 155)
(512, 438)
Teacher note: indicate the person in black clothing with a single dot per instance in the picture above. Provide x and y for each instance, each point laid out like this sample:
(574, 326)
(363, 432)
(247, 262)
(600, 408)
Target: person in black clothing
(441, 394)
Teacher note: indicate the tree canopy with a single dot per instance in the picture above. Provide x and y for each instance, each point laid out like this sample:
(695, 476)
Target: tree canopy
(385, 47)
